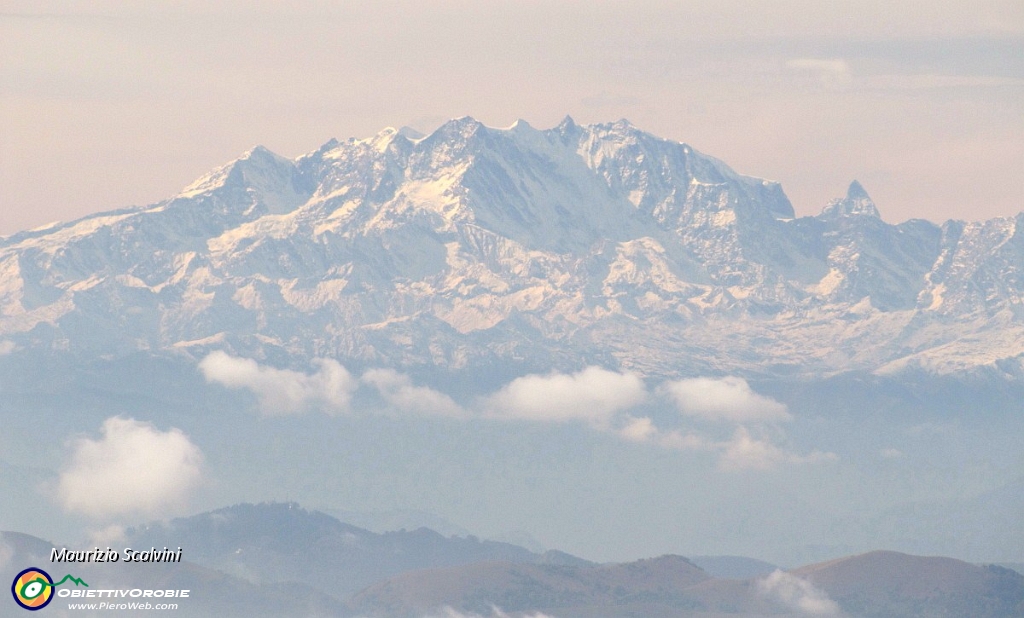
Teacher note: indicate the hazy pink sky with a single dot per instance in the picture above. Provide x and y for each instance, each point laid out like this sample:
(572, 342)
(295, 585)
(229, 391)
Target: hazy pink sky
(116, 103)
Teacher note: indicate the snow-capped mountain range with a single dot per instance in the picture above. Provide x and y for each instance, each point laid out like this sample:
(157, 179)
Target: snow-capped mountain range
(539, 249)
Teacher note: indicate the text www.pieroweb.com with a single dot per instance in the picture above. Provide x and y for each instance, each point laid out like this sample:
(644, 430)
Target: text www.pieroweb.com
(134, 605)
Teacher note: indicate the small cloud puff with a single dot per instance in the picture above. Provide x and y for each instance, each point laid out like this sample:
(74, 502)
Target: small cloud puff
(797, 594)
(133, 468)
(283, 391)
(593, 395)
(725, 399)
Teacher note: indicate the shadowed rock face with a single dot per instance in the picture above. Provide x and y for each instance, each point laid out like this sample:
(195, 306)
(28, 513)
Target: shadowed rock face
(520, 247)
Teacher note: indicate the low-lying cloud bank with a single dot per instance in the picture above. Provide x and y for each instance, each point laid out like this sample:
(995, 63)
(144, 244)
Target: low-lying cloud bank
(132, 468)
(604, 400)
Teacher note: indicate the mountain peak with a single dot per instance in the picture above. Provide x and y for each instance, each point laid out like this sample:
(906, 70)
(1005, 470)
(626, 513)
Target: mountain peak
(256, 152)
(411, 133)
(463, 127)
(856, 192)
(857, 202)
(622, 126)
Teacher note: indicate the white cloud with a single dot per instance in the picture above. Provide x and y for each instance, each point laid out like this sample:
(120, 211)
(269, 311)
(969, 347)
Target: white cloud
(725, 399)
(598, 397)
(891, 453)
(283, 391)
(6, 347)
(741, 452)
(798, 594)
(745, 452)
(400, 393)
(593, 395)
(132, 468)
(643, 429)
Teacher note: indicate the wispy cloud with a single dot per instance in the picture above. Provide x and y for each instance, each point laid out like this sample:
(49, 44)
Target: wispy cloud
(133, 468)
(798, 594)
(741, 451)
(835, 66)
(283, 391)
(931, 81)
(745, 452)
(837, 72)
(401, 394)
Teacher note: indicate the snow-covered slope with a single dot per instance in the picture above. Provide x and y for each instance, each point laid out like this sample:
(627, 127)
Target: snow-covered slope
(536, 249)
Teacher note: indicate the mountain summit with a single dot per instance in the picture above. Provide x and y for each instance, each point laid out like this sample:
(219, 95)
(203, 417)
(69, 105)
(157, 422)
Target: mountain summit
(856, 202)
(538, 249)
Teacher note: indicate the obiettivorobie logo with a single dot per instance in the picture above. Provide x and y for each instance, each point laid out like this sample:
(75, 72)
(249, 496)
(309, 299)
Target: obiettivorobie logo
(33, 588)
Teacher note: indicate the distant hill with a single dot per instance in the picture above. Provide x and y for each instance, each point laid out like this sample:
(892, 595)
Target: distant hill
(884, 583)
(284, 542)
(875, 585)
(526, 587)
(1016, 566)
